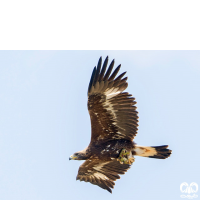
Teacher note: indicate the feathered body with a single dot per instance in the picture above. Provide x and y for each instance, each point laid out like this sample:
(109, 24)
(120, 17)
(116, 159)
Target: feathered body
(114, 123)
(109, 149)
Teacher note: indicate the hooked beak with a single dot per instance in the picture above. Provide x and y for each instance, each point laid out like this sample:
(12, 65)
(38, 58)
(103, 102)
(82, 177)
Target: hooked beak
(72, 157)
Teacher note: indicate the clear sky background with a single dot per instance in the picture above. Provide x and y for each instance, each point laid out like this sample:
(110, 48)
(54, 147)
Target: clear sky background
(44, 119)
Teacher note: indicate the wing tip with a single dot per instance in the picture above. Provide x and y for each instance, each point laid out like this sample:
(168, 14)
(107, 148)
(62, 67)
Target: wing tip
(103, 75)
(92, 79)
(109, 190)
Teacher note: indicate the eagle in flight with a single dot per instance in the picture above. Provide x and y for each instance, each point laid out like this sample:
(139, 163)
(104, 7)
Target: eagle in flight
(114, 122)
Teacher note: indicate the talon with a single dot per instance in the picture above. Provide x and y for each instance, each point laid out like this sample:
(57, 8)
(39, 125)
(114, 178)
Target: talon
(130, 160)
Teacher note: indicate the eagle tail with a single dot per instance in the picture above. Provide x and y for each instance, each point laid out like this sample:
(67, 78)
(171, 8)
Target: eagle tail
(160, 152)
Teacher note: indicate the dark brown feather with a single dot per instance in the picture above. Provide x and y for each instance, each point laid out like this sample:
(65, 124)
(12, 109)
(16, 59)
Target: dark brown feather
(120, 76)
(109, 70)
(92, 79)
(98, 70)
(114, 73)
(103, 69)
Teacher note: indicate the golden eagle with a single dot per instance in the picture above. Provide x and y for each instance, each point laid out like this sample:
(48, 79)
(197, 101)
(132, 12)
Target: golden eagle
(114, 122)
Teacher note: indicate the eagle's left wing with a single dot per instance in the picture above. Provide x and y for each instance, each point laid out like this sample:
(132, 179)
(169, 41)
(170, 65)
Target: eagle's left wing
(101, 173)
(112, 112)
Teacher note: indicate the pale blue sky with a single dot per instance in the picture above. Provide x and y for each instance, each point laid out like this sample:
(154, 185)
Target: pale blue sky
(44, 119)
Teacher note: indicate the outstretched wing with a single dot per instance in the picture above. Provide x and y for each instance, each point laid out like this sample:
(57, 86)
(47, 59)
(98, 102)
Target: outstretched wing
(112, 111)
(101, 173)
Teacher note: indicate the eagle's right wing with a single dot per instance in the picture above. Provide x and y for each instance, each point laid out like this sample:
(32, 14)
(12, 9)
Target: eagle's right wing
(101, 173)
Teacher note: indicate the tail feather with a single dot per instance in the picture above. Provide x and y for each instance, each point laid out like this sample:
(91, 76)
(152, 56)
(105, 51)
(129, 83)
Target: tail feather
(160, 152)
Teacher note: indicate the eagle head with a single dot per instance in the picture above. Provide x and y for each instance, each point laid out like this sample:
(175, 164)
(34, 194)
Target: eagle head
(80, 155)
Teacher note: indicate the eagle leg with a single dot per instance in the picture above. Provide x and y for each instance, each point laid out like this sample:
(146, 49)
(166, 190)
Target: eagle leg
(125, 157)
